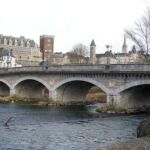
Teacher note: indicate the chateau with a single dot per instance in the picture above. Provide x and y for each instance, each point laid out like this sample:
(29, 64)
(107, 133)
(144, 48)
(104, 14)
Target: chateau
(25, 50)
(27, 53)
(125, 57)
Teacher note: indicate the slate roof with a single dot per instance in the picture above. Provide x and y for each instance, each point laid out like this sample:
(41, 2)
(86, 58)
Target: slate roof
(6, 52)
(93, 43)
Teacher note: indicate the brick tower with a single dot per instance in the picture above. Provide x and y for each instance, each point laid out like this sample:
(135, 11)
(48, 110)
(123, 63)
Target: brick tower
(47, 46)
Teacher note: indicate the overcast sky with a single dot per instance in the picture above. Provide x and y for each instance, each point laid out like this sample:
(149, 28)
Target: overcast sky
(71, 21)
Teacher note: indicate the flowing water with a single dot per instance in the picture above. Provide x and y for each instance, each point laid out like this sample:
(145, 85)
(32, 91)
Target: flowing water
(62, 128)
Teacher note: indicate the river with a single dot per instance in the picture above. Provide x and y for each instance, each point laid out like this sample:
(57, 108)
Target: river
(62, 128)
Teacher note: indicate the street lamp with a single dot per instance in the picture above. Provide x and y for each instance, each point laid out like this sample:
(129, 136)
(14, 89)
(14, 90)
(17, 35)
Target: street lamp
(109, 47)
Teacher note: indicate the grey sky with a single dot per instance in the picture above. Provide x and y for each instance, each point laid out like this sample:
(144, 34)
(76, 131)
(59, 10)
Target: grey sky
(71, 21)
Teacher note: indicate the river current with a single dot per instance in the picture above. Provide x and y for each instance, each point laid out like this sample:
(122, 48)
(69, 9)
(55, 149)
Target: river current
(62, 128)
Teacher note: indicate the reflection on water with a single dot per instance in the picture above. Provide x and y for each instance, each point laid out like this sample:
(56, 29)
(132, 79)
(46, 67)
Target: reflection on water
(61, 128)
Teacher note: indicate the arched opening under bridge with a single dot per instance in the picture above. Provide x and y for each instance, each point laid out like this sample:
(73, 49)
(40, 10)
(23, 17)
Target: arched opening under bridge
(4, 89)
(30, 88)
(136, 97)
(79, 91)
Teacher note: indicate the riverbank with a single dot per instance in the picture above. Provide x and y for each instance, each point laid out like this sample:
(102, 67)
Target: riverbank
(44, 101)
(110, 109)
(142, 142)
(134, 144)
(100, 106)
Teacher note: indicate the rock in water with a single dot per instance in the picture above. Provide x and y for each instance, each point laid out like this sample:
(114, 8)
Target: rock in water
(144, 128)
(134, 144)
(6, 123)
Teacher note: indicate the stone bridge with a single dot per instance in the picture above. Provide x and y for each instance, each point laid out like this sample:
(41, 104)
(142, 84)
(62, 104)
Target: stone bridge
(126, 85)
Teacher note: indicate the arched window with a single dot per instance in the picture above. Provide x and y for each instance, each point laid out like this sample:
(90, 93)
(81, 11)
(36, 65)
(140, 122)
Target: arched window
(10, 41)
(5, 41)
(27, 43)
(14, 42)
(21, 43)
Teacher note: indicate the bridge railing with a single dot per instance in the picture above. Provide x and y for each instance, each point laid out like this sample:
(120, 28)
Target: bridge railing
(80, 68)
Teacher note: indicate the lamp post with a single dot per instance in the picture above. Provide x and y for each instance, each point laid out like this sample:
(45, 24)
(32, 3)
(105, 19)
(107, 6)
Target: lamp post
(108, 50)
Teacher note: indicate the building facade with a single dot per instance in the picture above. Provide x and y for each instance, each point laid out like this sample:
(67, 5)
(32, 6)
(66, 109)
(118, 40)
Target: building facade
(27, 53)
(47, 46)
(107, 58)
(7, 60)
(124, 57)
(93, 52)
(23, 49)
(124, 46)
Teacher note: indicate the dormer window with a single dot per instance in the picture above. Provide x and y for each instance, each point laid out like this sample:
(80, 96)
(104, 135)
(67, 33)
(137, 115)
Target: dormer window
(5, 41)
(10, 41)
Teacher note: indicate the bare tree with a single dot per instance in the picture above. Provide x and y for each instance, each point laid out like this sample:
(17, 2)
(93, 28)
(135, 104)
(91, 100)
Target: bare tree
(80, 49)
(140, 35)
(78, 54)
(76, 59)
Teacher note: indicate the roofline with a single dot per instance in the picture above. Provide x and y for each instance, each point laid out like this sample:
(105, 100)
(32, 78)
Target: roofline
(49, 36)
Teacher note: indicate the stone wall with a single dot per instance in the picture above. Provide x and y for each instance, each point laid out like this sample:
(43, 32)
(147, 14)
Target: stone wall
(112, 79)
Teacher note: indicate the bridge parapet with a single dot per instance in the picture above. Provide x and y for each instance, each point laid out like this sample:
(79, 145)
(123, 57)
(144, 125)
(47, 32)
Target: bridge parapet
(116, 68)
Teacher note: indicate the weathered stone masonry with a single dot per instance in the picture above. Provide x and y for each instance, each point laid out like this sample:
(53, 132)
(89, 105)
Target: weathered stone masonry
(115, 80)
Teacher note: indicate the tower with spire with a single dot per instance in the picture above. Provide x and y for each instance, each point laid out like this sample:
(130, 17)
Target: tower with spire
(124, 46)
(133, 49)
(93, 52)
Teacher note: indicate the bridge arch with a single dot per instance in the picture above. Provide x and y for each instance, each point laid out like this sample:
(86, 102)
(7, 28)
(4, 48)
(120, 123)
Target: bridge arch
(5, 88)
(31, 87)
(88, 80)
(31, 78)
(132, 84)
(134, 95)
(5, 82)
(76, 89)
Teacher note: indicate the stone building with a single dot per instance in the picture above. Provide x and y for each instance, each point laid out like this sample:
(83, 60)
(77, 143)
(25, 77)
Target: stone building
(58, 58)
(124, 57)
(107, 58)
(7, 60)
(27, 53)
(124, 46)
(22, 49)
(93, 52)
(133, 56)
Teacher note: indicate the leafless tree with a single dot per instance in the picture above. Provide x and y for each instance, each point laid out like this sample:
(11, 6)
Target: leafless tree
(76, 59)
(80, 49)
(140, 34)
(78, 54)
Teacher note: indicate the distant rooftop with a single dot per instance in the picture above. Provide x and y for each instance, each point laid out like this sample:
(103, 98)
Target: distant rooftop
(50, 36)
(17, 41)
(6, 52)
(93, 43)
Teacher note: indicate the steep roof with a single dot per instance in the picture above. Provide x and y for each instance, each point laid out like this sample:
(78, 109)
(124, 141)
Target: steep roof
(93, 43)
(134, 49)
(6, 52)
